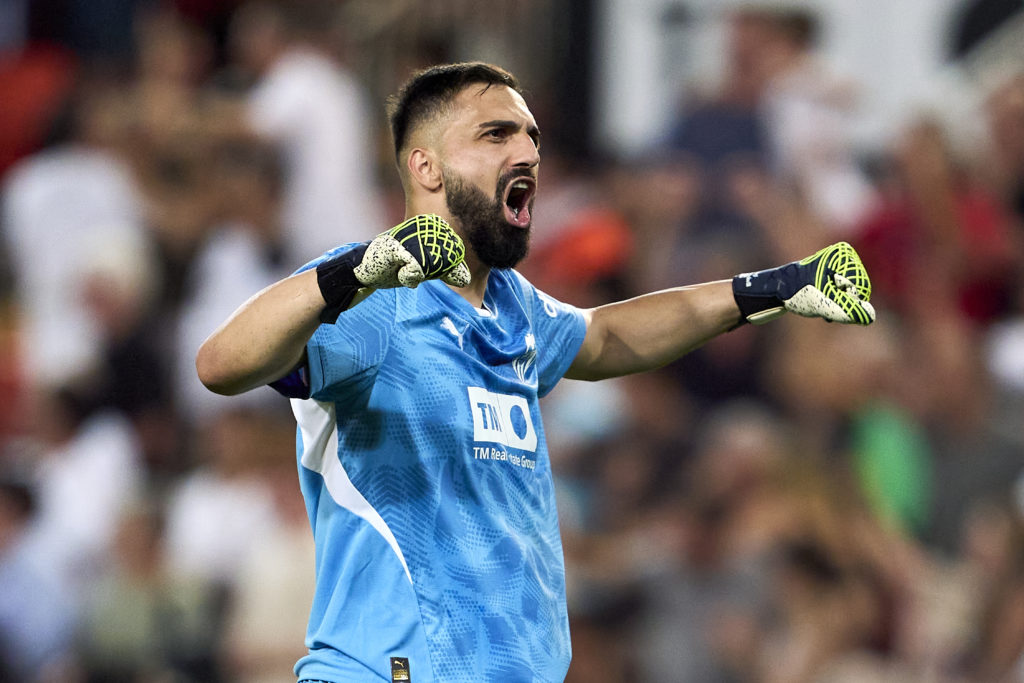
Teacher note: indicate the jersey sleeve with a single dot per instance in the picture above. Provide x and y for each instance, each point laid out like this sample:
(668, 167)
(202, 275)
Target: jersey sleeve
(342, 358)
(559, 328)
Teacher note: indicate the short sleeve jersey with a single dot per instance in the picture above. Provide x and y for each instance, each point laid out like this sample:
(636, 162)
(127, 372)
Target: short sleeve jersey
(429, 489)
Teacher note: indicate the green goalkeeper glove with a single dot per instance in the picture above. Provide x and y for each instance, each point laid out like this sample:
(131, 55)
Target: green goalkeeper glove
(420, 248)
(832, 284)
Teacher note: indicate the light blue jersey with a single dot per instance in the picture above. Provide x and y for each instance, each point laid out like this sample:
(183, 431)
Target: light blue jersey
(428, 486)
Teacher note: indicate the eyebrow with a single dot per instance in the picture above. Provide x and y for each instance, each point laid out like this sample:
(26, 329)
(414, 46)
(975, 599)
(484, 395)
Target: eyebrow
(532, 130)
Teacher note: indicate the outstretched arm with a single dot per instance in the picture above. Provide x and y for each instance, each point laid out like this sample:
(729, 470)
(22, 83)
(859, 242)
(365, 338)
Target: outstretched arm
(651, 330)
(266, 337)
(654, 329)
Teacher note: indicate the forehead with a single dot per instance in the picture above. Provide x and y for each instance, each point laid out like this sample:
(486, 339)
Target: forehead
(475, 105)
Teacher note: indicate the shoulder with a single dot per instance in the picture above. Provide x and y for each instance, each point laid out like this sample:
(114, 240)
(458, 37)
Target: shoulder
(551, 306)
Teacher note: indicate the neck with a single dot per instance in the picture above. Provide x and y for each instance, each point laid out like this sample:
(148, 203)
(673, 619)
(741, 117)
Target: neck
(479, 273)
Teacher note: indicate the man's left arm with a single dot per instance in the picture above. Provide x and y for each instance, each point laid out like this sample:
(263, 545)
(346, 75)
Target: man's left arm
(654, 329)
(651, 330)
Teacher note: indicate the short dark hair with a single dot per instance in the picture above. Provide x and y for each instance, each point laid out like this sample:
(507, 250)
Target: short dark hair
(428, 91)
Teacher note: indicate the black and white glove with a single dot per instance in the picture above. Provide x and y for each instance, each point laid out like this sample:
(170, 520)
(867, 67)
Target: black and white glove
(420, 248)
(832, 284)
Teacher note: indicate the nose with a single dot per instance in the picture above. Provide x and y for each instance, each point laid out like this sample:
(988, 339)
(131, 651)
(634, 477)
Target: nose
(526, 154)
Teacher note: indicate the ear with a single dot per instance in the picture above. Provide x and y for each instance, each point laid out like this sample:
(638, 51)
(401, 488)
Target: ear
(424, 169)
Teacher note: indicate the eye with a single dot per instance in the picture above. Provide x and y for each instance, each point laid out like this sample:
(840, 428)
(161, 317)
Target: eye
(496, 134)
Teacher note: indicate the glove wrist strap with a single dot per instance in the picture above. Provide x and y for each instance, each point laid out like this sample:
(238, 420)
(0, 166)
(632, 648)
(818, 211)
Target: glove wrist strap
(760, 295)
(338, 283)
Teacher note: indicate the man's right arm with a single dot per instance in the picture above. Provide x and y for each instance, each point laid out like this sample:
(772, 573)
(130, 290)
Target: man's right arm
(264, 339)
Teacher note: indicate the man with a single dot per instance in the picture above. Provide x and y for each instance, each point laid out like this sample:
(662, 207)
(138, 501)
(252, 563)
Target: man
(421, 448)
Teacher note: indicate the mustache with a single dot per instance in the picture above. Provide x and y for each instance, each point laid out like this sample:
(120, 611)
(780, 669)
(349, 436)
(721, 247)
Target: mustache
(510, 177)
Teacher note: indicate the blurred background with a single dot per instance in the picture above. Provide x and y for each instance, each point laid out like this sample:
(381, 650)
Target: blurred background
(796, 502)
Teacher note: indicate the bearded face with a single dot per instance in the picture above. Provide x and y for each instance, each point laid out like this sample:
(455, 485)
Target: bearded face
(495, 241)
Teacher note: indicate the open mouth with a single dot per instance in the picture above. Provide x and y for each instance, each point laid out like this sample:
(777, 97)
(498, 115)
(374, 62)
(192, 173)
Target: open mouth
(518, 197)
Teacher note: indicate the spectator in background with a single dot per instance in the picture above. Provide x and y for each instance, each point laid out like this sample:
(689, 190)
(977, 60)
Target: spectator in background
(808, 109)
(243, 253)
(139, 623)
(716, 576)
(220, 509)
(37, 615)
(995, 548)
(938, 228)
(723, 132)
(274, 593)
(779, 110)
(999, 165)
(120, 287)
(173, 128)
(77, 188)
(1000, 161)
(313, 108)
(35, 79)
(87, 469)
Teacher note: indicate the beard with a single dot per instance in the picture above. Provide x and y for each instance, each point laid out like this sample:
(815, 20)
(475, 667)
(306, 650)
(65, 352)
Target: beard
(494, 241)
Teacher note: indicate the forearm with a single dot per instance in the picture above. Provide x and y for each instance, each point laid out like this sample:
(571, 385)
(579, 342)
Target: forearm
(652, 330)
(264, 339)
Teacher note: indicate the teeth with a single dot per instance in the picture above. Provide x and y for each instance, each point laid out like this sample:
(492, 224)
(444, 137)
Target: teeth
(519, 185)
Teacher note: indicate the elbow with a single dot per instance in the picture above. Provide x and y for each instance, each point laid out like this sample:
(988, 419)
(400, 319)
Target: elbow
(213, 373)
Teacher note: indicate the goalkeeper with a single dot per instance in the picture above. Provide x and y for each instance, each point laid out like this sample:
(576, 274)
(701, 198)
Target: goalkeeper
(415, 363)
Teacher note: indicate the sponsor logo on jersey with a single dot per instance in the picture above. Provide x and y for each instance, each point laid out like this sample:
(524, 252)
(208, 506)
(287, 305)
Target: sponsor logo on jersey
(502, 418)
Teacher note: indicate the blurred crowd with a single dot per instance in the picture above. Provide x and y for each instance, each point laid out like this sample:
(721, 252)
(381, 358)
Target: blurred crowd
(792, 503)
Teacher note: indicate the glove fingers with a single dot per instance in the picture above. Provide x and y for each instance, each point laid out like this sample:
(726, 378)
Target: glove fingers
(854, 310)
(835, 306)
(457, 276)
(382, 261)
(846, 264)
(869, 312)
(432, 242)
(845, 285)
(860, 311)
(411, 274)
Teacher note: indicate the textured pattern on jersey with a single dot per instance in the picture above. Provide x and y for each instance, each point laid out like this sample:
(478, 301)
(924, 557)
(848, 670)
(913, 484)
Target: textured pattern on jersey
(420, 248)
(475, 518)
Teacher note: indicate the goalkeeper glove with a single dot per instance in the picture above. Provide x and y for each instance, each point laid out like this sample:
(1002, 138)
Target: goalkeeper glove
(421, 248)
(832, 284)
